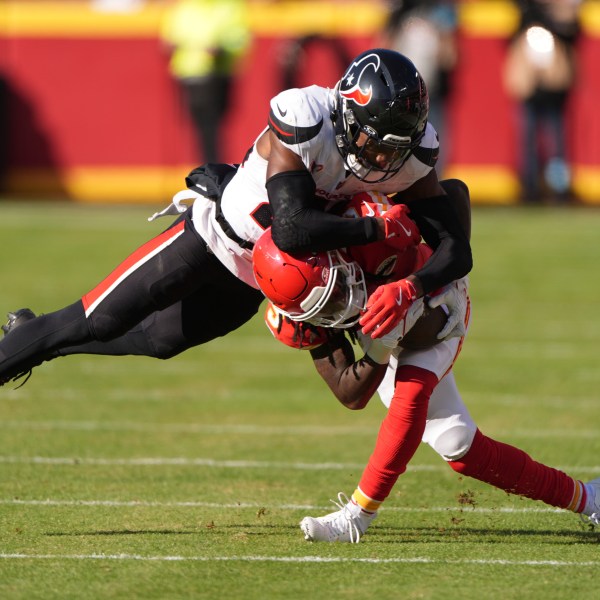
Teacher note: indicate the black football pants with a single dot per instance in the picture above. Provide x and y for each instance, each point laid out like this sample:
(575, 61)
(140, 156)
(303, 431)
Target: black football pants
(169, 295)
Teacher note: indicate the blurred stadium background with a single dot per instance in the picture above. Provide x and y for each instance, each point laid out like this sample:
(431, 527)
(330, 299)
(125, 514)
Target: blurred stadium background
(89, 111)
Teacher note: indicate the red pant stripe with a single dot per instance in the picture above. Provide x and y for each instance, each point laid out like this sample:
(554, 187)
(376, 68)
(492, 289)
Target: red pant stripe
(129, 265)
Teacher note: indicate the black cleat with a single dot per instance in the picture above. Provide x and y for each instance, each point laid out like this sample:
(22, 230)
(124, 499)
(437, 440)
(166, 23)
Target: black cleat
(17, 318)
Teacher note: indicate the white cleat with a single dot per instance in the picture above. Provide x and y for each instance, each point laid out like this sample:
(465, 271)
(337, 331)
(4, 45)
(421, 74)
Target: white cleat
(591, 512)
(348, 524)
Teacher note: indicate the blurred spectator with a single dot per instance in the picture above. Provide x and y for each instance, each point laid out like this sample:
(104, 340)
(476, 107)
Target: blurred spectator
(539, 73)
(206, 38)
(425, 31)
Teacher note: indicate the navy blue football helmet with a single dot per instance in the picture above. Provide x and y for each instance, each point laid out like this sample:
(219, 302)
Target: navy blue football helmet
(380, 113)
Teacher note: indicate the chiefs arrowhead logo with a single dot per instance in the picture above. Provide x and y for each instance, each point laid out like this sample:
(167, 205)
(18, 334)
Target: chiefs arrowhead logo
(350, 85)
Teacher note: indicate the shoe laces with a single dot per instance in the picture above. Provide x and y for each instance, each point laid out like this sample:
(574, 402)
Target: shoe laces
(345, 518)
(26, 374)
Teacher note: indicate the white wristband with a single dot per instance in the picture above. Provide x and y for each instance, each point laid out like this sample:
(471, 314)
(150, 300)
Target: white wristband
(379, 352)
(376, 350)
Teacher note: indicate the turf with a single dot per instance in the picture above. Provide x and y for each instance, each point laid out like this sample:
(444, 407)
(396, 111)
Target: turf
(133, 478)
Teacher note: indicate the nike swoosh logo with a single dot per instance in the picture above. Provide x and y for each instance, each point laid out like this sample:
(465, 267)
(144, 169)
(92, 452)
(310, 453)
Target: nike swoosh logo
(399, 298)
(408, 232)
(281, 112)
(202, 187)
(370, 211)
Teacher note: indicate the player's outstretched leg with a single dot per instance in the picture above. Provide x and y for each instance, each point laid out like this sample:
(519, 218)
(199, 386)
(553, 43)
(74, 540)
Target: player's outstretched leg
(30, 340)
(515, 472)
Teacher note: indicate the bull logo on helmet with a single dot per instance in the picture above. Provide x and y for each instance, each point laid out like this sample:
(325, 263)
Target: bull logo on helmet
(350, 85)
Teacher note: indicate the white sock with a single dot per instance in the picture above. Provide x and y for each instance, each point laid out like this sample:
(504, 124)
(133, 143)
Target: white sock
(590, 500)
(364, 517)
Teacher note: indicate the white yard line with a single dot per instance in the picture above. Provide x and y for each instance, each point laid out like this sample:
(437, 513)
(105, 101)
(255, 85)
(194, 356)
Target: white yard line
(159, 461)
(256, 505)
(216, 429)
(240, 428)
(187, 462)
(303, 559)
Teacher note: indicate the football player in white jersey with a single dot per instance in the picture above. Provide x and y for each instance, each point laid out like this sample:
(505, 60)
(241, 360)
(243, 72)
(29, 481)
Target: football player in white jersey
(194, 281)
(316, 300)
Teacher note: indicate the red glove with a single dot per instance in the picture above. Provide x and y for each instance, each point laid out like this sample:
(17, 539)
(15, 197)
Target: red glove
(387, 306)
(400, 231)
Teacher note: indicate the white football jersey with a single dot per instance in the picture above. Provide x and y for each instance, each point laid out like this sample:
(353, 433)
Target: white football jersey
(301, 119)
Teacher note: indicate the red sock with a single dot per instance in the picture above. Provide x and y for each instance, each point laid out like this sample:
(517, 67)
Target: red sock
(400, 432)
(515, 472)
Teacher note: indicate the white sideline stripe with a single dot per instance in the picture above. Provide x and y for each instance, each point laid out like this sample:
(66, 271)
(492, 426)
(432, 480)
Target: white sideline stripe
(229, 464)
(304, 559)
(183, 427)
(255, 429)
(191, 462)
(131, 269)
(254, 505)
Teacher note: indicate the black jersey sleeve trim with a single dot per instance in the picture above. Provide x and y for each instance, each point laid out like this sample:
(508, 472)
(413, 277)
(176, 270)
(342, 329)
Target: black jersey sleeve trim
(291, 134)
(428, 156)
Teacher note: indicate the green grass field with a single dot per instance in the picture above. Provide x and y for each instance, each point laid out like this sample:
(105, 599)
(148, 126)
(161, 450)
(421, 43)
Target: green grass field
(134, 478)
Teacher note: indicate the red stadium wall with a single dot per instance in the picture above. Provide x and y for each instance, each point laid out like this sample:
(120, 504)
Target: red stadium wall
(93, 114)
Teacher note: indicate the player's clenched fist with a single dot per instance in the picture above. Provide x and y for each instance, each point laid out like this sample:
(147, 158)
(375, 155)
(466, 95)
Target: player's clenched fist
(387, 306)
(400, 231)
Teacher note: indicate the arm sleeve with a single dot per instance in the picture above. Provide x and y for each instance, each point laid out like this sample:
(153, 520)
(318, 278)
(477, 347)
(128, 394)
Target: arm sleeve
(300, 224)
(442, 230)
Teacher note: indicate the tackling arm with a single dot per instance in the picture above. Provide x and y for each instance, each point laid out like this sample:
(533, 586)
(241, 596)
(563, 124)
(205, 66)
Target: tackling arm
(299, 224)
(442, 212)
(444, 219)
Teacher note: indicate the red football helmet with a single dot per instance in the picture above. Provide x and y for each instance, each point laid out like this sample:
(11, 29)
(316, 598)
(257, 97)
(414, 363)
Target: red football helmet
(323, 288)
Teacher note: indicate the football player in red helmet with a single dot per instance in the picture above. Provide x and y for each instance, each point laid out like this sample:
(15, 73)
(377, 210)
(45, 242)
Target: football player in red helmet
(414, 379)
(325, 288)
